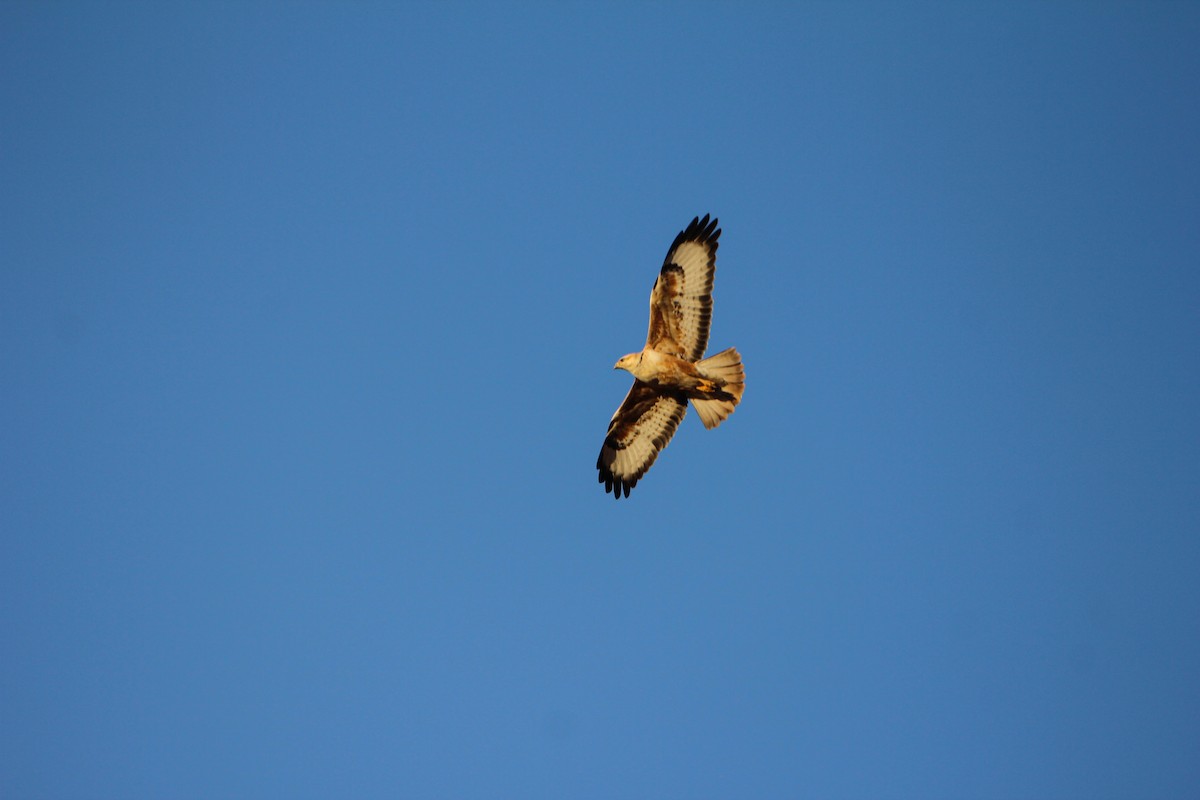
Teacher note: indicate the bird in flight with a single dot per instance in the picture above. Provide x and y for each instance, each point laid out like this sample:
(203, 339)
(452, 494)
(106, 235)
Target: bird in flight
(671, 369)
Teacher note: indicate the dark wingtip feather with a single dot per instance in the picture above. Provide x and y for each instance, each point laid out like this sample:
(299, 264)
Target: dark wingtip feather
(698, 230)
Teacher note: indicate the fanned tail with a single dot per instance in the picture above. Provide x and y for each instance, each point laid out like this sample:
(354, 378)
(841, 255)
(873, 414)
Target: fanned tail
(728, 381)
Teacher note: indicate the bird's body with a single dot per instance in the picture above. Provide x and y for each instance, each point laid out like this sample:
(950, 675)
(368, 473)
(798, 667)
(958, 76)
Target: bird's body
(660, 369)
(668, 372)
(671, 369)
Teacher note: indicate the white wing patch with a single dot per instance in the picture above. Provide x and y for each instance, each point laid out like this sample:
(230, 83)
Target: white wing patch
(681, 303)
(648, 438)
(639, 431)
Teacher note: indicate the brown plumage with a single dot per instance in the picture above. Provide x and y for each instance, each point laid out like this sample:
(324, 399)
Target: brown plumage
(671, 369)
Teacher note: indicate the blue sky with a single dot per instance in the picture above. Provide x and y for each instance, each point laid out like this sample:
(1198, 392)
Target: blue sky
(307, 320)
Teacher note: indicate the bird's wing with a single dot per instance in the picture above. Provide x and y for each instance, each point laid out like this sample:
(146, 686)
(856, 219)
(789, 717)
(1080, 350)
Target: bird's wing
(681, 301)
(640, 429)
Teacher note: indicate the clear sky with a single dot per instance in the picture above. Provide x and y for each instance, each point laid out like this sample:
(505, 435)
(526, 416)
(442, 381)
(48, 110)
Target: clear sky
(307, 321)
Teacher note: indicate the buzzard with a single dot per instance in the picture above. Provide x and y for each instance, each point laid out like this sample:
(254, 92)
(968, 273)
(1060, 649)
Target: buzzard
(671, 369)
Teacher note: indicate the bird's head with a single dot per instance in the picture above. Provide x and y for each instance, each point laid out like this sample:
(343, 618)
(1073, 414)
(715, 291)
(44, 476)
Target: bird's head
(628, 362)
